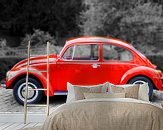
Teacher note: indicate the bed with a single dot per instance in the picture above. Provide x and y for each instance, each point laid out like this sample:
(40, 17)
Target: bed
(105, 113)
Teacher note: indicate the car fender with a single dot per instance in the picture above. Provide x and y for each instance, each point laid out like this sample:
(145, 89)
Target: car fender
(141, 71)
(32, 72)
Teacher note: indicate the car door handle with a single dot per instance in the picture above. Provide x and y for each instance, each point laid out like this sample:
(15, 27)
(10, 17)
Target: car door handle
(95, 66)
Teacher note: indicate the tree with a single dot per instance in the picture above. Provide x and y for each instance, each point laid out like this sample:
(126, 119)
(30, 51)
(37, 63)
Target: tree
(3, 43)
(133, 21)
(38, 38)
(19, 17)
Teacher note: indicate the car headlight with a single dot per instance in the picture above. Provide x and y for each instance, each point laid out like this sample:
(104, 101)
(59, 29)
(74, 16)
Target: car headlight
(159, 72)
(10, 74)
(7, 74)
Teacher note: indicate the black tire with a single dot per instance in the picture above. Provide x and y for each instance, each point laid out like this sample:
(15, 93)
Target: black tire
(141, 79)
(19, 91)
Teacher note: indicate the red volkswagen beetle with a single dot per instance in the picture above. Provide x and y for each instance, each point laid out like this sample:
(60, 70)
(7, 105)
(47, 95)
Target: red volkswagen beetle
(86, 61)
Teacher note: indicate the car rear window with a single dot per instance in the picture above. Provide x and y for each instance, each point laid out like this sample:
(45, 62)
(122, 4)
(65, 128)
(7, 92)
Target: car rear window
(112, 52)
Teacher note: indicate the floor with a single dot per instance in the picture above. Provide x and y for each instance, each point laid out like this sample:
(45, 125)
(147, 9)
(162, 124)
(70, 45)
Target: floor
(17, 126)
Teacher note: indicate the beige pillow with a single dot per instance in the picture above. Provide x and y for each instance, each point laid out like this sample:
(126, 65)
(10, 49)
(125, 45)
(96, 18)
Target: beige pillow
(71, 93)
(104, 95)
(161, 103)
(109, 90)
(143, 92)
(76, 92)
(131, 90)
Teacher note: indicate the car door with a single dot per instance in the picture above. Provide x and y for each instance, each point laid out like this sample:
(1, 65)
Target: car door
(79, 65)
(116, 60)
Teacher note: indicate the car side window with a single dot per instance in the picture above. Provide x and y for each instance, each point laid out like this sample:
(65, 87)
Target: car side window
(112, 52)
(68, 54)
(82, 52)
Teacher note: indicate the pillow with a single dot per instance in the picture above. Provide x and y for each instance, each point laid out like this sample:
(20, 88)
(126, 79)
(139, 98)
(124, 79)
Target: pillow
(109, 90)
(143, 92)
(161, 103)
(131, 90)
(104, 95)
(71, 93)
(76, 92)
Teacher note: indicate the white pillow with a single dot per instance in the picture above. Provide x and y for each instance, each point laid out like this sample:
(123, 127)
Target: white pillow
(103, 95)
(76, 92)
(143, 92)
(71, 93)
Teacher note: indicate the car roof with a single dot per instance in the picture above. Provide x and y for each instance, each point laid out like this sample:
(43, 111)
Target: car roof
(98, 40)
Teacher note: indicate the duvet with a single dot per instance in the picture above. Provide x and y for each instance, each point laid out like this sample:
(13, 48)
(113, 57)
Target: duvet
(106, 114)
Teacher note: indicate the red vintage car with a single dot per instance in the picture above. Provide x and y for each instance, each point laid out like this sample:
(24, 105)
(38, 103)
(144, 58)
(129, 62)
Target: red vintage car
(86, 61)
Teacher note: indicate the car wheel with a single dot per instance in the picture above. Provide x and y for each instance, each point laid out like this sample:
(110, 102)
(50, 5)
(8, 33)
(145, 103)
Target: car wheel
(34, 96)
(142, 80)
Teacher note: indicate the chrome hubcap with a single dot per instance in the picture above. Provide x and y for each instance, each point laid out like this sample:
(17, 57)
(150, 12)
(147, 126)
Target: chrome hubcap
(32, 94)
(139, 82)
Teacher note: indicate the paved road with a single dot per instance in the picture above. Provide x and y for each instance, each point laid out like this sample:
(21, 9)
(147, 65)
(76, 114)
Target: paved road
(8, 103)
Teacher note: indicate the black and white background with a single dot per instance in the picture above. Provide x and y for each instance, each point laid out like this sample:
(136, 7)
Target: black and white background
(139, 22)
